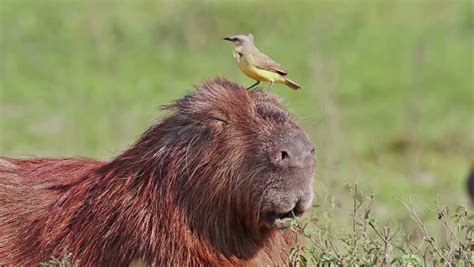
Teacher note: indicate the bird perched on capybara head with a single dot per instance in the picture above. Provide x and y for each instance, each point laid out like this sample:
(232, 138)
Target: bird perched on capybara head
(209, 184)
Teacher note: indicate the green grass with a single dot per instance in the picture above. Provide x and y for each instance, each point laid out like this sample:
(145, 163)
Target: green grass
(388, 92)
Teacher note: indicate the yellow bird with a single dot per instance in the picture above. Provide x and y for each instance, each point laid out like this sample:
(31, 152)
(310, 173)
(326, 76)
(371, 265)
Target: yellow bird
(257, 65)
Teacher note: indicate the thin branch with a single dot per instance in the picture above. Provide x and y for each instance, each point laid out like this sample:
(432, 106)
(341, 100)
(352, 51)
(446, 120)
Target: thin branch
(422, 227)
(442, 217)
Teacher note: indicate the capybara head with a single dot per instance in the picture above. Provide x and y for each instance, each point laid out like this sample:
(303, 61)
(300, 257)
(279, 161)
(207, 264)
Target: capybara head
(239, 162)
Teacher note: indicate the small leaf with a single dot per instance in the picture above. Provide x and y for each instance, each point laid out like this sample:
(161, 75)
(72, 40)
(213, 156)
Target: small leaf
(303, 261)
(292, 254)
(367, 213)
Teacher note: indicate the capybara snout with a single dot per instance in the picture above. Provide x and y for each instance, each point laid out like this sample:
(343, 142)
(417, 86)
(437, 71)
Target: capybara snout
(293, 158)
(296, 151)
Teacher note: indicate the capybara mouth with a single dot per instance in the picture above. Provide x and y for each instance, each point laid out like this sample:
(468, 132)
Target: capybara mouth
(282, 220)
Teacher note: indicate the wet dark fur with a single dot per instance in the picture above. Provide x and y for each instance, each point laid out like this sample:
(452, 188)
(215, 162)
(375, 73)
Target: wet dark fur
(188, 192)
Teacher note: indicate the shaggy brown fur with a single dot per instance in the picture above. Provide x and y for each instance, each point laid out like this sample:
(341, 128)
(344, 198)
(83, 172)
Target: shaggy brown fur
(195, 189)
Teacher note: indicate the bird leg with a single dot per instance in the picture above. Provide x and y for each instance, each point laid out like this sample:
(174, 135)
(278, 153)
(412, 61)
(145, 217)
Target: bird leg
(253, 85)
(271, 86)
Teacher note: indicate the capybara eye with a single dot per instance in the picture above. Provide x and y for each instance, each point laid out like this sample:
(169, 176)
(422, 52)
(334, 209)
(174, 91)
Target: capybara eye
(220, 120)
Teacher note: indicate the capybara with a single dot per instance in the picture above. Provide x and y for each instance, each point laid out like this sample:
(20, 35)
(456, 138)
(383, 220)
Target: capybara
(470, 185)
(209, 184)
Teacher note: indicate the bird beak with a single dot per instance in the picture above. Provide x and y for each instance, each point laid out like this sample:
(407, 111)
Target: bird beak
(228, 38)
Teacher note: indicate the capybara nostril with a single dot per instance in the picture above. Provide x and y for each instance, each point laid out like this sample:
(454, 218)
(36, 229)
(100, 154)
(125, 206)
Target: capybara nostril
(297, 152)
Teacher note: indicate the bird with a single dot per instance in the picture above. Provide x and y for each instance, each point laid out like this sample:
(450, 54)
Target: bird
(257, 65)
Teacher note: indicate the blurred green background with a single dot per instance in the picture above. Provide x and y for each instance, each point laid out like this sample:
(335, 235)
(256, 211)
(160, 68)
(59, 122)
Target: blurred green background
(387, 98)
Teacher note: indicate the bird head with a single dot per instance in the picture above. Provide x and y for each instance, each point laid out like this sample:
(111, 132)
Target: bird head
(240, 39)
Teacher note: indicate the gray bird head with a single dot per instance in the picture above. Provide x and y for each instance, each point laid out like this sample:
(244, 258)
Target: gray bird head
(240, 39)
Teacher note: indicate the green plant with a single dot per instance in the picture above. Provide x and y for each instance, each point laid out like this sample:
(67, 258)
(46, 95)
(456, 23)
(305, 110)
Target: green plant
(65, 261)
(369, 243)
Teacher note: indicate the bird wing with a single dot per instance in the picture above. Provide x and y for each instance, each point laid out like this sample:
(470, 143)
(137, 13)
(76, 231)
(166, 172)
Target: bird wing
(264, 62)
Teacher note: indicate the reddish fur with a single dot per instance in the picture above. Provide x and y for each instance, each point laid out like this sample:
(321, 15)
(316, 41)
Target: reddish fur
(147, 203)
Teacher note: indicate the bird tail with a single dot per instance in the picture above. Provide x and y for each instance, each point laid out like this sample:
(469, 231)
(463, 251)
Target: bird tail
(292, 84)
